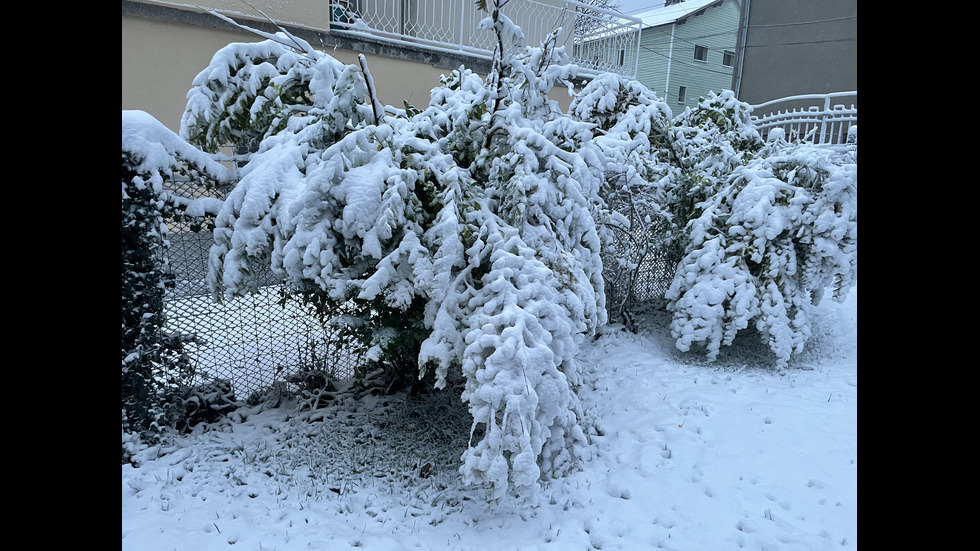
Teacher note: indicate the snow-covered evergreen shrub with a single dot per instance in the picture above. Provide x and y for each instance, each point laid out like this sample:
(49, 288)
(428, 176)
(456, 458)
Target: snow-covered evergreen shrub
(676, 187)
(519, 366)
(153, 363)
(251, 91)
(313, 202)
(767, 228)
(457, 236)
(531, 287)
(708, 143)
(763, 249)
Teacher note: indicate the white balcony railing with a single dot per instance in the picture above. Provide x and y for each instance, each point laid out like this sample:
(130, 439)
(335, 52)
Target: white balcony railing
(811, 118)
(595, 39)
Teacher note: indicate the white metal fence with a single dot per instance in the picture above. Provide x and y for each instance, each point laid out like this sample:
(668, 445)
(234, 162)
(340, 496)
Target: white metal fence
(823, 119)
(597, 40)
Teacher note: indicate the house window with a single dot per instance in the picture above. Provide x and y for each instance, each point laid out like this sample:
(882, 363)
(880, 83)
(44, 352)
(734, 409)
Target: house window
(728, 59)
(682, 94)
(622, 57)
(700, 53)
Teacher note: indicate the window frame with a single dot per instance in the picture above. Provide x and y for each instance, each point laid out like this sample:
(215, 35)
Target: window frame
(682, 94)
(728, 56)
(703, 49)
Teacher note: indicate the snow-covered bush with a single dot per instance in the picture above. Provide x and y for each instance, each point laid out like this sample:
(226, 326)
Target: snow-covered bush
(767, 228)
(506, 322)
(763, 249)
(153, 363)
(468, 234)
(457, 236)
(676, 188)
(309, 199)
(531, 286)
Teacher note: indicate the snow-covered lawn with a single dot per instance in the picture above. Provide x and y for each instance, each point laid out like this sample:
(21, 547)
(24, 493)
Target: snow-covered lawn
(685, 456)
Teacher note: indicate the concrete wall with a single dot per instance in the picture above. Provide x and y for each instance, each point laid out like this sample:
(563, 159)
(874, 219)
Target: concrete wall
(794, 47)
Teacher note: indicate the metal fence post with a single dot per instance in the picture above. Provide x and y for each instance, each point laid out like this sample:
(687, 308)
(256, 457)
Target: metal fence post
(823, 120)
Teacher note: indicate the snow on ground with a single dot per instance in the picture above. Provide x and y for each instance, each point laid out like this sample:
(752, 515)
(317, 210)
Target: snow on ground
(687, 456)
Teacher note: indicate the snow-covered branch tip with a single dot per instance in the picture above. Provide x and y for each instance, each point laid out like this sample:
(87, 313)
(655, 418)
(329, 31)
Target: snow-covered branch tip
(376, 105)
(293, 41)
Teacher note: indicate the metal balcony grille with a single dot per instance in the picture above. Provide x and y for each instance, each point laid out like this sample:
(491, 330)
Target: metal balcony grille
(597, 40)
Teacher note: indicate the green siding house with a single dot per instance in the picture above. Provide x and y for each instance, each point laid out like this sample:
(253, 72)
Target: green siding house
(688, 49)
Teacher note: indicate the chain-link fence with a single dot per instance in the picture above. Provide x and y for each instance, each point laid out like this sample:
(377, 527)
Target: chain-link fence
(259, 340)
(635, 271)
(253, 341)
